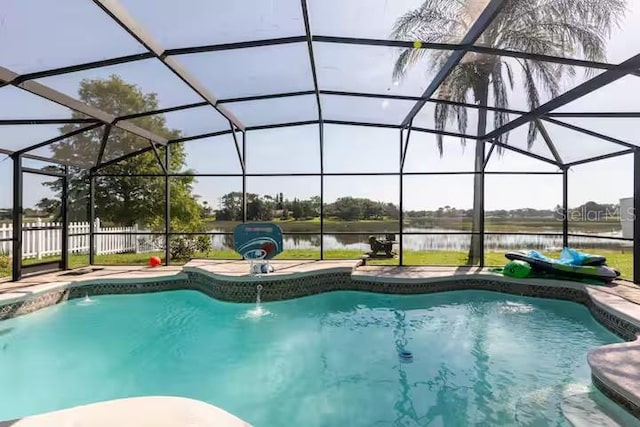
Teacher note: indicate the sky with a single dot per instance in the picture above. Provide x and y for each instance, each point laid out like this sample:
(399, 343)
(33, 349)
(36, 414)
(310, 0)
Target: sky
(39, 29)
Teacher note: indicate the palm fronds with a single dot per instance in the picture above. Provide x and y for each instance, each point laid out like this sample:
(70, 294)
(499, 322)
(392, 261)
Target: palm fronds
(577, 28)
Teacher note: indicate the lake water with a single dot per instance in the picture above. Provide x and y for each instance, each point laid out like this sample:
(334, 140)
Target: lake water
(449, 242)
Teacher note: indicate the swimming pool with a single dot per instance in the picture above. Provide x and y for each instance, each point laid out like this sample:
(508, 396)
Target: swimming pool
(480, 358)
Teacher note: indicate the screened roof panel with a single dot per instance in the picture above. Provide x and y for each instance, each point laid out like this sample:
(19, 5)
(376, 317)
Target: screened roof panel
(81, 150)
(506, 160)
(423, 155)
(47, 34)
(364, 109)
(252, 71)
(518, 139)
(208, 22)
(213, 155)
(19, 137)
(369, 69)
(275, 110)
(613, 97)
(358, 149)
(45, 37)
(624, 129)
(297, 148)
(188, 122)
(121, 143)
(491, 119)
(575, 146)
(19, 104)
(426, 118)
(149, 76)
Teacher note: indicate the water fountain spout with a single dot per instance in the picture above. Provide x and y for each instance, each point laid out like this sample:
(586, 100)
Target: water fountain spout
(258, 290)
(259, 310)
(86, 300)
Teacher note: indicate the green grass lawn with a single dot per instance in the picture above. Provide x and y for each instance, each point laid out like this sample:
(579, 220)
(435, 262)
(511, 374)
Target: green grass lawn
(623, 261)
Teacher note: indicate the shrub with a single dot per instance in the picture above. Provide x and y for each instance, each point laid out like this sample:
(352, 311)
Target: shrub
(185, 247)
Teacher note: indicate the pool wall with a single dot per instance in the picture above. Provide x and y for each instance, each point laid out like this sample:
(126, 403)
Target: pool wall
(243, 289)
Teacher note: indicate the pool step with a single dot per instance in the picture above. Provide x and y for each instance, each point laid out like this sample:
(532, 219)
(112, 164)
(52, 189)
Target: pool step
(594, 409)
(580, 404)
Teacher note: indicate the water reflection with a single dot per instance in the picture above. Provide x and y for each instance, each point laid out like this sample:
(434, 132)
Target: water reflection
(421, 242)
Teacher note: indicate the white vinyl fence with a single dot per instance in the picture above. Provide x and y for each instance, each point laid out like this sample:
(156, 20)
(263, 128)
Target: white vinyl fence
(44, 239)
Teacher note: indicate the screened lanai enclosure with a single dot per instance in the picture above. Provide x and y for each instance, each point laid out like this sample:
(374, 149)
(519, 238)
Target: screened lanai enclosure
(465, 128)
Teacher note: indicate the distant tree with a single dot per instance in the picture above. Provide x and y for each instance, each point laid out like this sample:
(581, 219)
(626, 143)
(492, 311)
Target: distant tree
(50, 207)
(124, 199)
(297, 210)
(314, 202)
(230, 207)
(371, 209)
(348, 209)
(258, 209)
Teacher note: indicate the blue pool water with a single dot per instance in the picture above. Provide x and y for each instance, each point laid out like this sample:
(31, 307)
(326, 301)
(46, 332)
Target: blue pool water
(480, 358)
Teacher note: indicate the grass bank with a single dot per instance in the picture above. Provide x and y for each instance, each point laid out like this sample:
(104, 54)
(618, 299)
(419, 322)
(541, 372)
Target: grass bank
(623, 261)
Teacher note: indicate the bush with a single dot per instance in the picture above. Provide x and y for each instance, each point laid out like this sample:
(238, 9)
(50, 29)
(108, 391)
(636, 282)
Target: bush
(5, 261)
(185, 247)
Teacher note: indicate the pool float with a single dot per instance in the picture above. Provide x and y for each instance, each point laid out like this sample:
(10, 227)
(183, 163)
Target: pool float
(574, 257)
(562, 267)
(518, 269)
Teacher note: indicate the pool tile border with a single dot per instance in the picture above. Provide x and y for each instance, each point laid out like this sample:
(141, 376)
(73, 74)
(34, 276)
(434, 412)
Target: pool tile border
(243, 290)
(609, 391)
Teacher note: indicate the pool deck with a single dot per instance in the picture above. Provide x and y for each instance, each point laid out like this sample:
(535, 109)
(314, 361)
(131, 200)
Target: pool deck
(616, 366)
(150, 411)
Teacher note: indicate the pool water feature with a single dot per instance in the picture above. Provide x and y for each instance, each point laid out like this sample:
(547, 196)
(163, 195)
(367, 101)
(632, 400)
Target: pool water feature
(86, 300)
(259, 310)
(479, 358)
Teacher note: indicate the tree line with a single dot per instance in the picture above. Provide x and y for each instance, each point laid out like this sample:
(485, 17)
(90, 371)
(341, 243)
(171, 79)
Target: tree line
(267, 207)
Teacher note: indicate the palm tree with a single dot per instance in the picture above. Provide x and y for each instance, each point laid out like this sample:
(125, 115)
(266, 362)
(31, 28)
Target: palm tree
(551, 27)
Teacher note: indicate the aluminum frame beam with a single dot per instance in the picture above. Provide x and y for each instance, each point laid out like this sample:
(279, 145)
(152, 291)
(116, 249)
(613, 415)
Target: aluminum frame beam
(488, 156)
(29, 122)
(312, 61)
(479, 26)
(319, 39)
(604, 115)
(524, 152)
(119, 14)
(59, 138)
(602, 157)
(52, 95)
(235, 45)
(466, 48)
(404, 149)
(636, 217)
(335, 122)
(590, 133)
(549, 142)
(579, 91)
